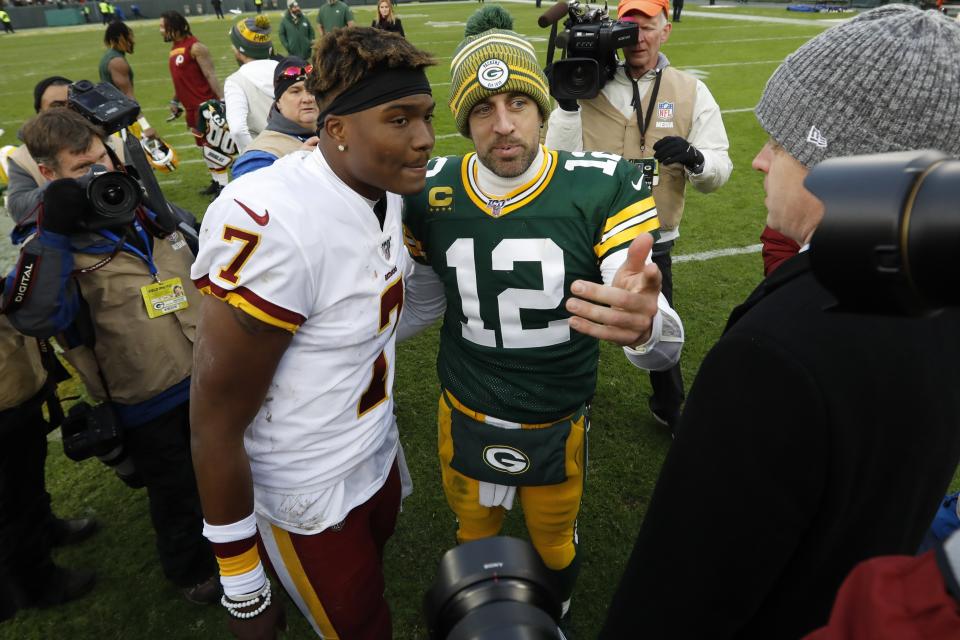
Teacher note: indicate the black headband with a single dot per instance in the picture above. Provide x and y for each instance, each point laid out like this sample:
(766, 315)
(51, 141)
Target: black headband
(43, 85)
(378, 87)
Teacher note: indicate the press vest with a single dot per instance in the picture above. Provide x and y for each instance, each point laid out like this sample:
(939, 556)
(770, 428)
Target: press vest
(21, 369)
(26, 162)
(140, 357)
(276, 143)
(605, 128)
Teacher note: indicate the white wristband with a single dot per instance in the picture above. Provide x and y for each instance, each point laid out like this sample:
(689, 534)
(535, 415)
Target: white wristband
(236, 587)
(142, 121)
(240, 530)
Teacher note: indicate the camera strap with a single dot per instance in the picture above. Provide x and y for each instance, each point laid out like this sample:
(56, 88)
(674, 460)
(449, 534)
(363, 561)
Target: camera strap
(146, 257)
(644, 122)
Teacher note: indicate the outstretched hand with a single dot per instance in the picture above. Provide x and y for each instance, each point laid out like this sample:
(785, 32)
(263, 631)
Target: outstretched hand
(623, 311)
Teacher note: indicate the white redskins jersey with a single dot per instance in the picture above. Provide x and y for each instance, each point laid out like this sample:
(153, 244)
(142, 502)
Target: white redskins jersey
(294, 247)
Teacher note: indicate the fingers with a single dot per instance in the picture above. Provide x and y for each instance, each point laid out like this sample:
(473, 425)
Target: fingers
(637, 253)
(620, 315)
(617, 326)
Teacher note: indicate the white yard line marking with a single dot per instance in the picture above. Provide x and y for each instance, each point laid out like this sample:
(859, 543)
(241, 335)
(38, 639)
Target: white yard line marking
(717, 253)
(769, 19)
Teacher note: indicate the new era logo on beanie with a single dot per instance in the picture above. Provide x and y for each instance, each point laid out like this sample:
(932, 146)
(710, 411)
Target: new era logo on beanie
(493, 59)
(886, 80)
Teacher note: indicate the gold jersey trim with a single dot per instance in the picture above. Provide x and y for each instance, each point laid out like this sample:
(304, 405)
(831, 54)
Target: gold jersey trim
(519, 197)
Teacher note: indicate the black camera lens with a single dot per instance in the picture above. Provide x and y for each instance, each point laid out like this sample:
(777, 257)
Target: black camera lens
(889, 233)
(575, 78)
(113, 195)
(114, 198)
(492, 589)
(579, 77)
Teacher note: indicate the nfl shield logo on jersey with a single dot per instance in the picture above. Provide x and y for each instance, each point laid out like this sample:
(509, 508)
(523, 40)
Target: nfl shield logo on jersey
(496, 208)
(385, 249)
(665, 110)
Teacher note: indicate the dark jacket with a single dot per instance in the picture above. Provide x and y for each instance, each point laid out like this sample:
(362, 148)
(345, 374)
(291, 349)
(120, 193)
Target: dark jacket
(297, 35)
(810, 441)
(396, 27)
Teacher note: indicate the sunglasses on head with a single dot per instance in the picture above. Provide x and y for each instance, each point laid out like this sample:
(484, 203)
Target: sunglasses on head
(295, 72)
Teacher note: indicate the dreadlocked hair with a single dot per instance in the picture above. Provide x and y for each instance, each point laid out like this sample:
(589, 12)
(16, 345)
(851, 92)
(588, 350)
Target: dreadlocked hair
(345, 55)
(176, 23)
(116, 31)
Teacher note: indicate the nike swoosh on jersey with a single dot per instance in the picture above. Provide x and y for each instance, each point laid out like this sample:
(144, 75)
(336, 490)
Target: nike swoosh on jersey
(260, 220)
(636, 185)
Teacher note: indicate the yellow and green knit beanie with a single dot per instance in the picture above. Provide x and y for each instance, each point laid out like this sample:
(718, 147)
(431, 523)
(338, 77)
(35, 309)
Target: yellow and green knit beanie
(251, 37)
(493, 59)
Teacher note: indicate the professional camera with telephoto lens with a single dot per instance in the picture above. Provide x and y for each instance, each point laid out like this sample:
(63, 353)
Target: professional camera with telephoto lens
(891, 227)
(115, 196)
(588, 44)
(493, 589)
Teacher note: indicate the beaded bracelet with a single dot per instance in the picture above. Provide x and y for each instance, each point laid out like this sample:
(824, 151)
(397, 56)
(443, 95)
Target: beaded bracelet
(246, 615)
(234, 606)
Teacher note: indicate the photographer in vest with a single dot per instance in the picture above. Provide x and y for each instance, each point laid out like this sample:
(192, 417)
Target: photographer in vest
(292, 124)
(25, 189)
(666, 120)
(102, 279)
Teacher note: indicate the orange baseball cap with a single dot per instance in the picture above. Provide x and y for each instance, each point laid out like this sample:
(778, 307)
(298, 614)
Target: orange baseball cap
(646, 7)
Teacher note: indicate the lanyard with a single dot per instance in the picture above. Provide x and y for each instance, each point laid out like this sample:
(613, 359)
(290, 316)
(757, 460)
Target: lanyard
(147, 258)
(644, 124)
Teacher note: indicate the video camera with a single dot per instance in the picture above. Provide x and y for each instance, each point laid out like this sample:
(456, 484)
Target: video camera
(492, 589)
(115, 196)
(588, 44)
(890, 230)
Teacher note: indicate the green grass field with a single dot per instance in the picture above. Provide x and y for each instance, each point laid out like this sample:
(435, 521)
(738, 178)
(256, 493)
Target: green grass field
(734, 57)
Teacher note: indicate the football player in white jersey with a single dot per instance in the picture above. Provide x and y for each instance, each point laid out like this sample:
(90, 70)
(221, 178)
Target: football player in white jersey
(294, 435)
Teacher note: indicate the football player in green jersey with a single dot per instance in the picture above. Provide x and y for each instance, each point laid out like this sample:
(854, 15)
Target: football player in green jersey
(537, 254)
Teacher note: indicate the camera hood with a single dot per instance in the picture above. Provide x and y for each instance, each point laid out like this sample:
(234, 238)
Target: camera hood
(887, 241)
(494, 588)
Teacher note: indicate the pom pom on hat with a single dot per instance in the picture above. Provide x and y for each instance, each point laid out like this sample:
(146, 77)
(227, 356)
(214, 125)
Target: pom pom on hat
(251, 37)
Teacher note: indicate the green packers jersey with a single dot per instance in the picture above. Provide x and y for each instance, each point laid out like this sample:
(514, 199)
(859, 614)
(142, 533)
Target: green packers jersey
(506, 347)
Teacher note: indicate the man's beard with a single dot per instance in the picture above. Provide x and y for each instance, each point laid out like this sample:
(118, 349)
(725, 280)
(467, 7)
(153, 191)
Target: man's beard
(509, 168)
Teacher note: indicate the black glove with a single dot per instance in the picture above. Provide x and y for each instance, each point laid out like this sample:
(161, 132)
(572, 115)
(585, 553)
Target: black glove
(674, 149)
(65, 203)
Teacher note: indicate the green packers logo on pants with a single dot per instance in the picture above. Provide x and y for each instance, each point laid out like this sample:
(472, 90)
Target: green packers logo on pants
(506, 459)
(512, 457)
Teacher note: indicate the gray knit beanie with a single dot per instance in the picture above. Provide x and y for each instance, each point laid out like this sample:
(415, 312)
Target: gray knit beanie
(888, 80)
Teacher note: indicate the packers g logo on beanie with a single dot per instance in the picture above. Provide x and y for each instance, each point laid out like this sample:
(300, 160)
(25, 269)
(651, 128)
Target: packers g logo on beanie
(493, 59)
(493, 74)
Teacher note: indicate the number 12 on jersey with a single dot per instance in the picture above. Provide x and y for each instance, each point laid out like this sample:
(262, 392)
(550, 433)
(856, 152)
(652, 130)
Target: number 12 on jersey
(460, 256)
